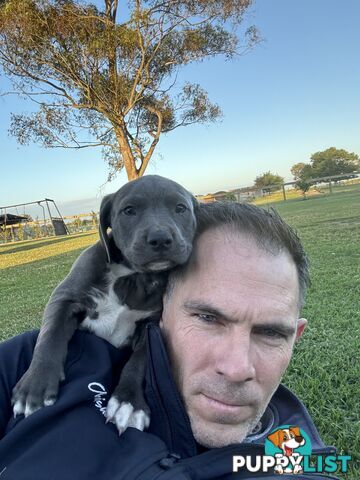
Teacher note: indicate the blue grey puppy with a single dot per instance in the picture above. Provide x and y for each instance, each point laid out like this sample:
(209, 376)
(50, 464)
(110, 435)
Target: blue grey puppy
(111, 289)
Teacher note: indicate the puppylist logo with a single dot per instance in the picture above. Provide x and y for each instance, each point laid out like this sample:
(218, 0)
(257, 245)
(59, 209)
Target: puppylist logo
(288, 445)
(288, 451)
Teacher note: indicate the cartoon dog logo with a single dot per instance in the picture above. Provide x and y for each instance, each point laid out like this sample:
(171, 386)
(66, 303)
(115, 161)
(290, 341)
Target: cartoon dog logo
(287, 440)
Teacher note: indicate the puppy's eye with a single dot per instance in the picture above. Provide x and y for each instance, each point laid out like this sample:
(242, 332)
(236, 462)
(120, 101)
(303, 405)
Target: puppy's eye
(180, 208)
(129, 211)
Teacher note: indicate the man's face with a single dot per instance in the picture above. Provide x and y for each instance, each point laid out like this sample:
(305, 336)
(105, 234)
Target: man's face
(230, 327)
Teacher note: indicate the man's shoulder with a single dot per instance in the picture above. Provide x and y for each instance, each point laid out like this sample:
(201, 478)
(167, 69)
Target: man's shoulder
(27, 341)
(26, 338)
(290, 410)
(19, 349)
(86, 352)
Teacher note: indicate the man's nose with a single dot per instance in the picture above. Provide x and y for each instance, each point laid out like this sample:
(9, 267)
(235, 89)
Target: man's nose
(234, 359)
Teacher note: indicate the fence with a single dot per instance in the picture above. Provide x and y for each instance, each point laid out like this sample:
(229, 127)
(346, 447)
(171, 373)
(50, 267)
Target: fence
(282, 191)
(28, 228)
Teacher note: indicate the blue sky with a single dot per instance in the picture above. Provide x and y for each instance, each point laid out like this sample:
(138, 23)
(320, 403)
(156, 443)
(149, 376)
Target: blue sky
(295, 94)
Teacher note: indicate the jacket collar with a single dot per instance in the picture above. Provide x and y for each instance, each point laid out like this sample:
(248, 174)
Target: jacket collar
(169, 419)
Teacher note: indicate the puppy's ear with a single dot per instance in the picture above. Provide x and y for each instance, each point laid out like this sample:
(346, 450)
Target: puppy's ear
(196, 207)
(105, 223)
(295, 431)
(195, 203)
(275, 438)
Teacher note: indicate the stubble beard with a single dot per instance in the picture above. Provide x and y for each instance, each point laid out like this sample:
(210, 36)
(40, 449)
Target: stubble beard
(217, 435)
(221, 435)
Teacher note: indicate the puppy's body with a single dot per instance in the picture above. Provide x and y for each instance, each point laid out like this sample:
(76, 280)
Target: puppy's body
(115, 322)
(112, 286)
(108, 312)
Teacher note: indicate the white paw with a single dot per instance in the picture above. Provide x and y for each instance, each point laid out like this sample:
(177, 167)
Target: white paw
(278, 469)
(123, 416)
(21, 408)
(18, 408)
(25, 408)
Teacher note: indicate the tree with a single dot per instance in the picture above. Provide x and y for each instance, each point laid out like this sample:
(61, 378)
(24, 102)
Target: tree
(296, 170)
(267, 179)
(101, 82)
(303, 185)
(302, 171)
(333, 162)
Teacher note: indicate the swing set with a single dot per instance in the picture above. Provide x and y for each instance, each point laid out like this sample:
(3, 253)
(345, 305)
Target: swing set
(19, 225)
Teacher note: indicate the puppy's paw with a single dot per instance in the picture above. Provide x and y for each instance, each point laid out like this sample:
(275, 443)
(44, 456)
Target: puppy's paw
(123, 415)
(35, 390)
(279, 470)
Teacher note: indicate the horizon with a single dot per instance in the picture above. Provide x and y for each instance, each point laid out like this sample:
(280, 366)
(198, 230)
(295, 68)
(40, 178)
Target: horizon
(291, 96)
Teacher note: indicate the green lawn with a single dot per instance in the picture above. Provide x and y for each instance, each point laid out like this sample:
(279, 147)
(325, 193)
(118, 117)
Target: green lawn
(326, 364)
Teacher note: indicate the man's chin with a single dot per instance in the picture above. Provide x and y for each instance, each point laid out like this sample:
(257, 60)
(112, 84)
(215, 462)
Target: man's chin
(216, 435)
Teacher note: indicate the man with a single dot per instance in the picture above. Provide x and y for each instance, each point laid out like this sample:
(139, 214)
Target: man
(228, 328)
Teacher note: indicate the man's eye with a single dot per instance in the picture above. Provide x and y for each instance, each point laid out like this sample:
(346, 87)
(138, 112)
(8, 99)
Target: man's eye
(271, 333)
(205, 317)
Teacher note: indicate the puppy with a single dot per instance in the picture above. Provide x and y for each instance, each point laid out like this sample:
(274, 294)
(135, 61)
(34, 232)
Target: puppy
(287, 439)
(112, 287)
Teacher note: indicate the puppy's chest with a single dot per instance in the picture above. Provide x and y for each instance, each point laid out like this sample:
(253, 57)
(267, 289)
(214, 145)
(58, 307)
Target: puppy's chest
(111, 319)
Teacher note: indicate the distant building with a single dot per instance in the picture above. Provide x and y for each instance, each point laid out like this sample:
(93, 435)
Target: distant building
(245, 194)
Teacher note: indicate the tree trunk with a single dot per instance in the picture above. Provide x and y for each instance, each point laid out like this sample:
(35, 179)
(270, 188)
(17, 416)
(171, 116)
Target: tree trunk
(127, 155)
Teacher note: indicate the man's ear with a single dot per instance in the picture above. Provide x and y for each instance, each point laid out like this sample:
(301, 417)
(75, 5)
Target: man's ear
(300, 327)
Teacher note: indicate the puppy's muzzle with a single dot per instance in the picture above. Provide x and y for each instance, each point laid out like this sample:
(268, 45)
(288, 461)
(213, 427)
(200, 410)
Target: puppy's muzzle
(159, 240)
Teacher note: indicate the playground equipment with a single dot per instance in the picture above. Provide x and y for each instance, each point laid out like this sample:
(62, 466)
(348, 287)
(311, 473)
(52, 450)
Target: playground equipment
(22, 226)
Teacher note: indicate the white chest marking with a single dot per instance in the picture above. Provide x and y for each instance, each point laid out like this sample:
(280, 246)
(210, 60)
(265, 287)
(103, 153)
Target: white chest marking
(116, 321)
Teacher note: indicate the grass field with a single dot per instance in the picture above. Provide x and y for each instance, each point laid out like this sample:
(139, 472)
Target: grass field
(325, 372)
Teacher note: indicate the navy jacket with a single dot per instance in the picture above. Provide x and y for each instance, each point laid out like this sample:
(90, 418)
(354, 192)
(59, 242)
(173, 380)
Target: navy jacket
(71, 441)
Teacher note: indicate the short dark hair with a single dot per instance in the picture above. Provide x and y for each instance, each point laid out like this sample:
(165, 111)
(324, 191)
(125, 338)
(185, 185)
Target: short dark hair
(265, 226)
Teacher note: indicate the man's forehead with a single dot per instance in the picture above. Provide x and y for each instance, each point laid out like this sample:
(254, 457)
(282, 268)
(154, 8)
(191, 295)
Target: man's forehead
(221, 244)
(226, 260)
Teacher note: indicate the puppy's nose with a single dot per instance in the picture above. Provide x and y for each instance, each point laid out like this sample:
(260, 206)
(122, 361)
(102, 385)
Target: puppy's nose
(159, 239)
(299, 439)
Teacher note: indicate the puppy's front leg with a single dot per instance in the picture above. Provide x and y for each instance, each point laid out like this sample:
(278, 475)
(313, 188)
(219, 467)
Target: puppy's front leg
(39, 386)
(127, 406)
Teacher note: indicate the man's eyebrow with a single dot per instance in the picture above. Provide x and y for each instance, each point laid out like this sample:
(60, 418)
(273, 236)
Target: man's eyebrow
(207, 308)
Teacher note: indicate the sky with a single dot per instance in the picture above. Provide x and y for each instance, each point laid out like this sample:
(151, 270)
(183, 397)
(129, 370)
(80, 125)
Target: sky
(296, 93)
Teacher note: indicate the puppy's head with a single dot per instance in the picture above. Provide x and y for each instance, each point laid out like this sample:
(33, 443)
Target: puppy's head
(153, 222)
(290, 438)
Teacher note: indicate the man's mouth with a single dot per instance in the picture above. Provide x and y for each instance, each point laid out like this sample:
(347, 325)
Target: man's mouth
(221, 406)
